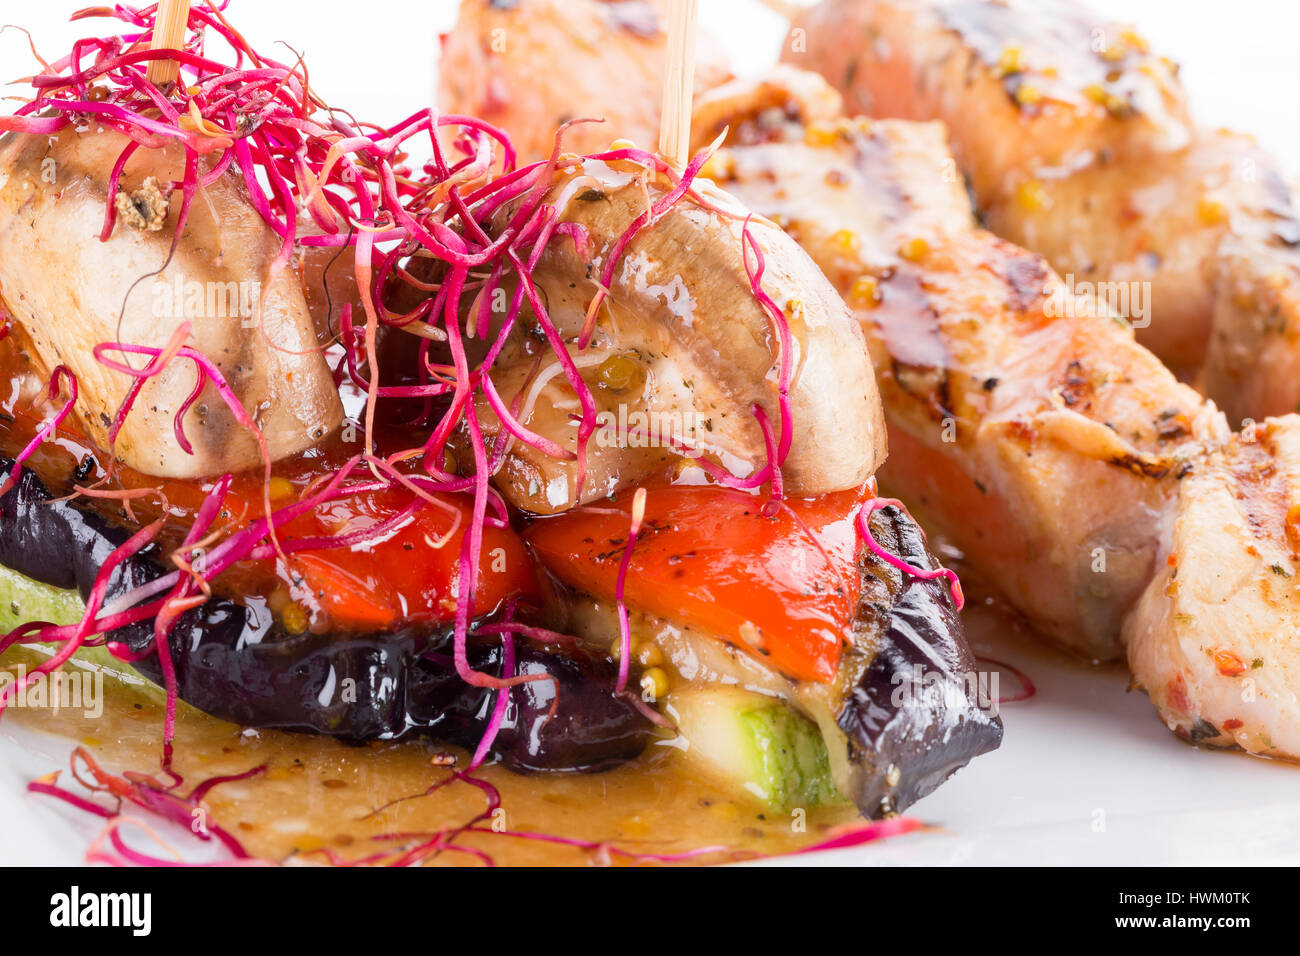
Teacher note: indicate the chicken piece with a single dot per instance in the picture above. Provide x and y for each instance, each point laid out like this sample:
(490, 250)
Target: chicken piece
(69, 292)
(784, 94)
(530, 66)
(1023, 85)
(1208, 231)
(1000, 415)
(1213, 638)
(863, 214)
(1078, 145)
(683, 350)
(1109, 502)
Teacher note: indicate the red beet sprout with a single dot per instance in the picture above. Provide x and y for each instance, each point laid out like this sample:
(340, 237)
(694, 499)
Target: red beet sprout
(54, 390)
(923, 574)
(1027, 686)
(111, 796)
(624, 626)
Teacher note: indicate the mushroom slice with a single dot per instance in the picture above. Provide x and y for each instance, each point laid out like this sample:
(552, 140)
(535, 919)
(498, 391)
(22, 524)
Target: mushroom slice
(71, 292)
(682, 351)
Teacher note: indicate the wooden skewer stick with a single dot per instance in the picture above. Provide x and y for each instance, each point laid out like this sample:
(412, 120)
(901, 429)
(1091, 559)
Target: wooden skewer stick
(679, 83)
(168, 34)
(782, 8)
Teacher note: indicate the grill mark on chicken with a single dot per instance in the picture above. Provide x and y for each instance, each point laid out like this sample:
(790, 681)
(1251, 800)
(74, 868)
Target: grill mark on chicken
(1025, 275)
(1261, 488)
(917, 352)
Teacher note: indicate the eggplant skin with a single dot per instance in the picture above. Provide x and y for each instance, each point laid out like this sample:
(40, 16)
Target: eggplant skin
(911, 711)
(233, 662)
(568, 720)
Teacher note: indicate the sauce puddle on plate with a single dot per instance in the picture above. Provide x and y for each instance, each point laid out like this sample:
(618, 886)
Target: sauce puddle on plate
(319, 794)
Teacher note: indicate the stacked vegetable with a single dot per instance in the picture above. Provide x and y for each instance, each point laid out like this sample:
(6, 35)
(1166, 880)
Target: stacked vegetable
(322, 180)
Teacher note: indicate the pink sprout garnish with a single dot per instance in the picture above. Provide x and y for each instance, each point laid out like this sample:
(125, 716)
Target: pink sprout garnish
(923, 574)
(112, 796)
(624, 625)
(1027, 686)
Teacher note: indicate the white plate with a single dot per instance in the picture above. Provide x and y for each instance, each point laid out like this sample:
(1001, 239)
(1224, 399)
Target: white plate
(1087, 773)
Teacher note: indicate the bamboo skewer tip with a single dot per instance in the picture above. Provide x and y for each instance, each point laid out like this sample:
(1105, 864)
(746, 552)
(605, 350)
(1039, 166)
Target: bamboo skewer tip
(168, 34)
(679, 83)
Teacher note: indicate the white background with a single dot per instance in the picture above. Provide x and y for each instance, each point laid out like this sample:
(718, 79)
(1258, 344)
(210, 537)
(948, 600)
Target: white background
(377, 57)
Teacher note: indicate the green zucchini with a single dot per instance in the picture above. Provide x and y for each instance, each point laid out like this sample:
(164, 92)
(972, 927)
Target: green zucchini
(754, 745)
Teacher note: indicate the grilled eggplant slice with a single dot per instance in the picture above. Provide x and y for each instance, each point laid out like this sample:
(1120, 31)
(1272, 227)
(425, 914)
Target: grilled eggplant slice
(233, 662)
(909, 706)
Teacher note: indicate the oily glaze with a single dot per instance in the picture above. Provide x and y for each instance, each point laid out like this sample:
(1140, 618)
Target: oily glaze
(318, 793)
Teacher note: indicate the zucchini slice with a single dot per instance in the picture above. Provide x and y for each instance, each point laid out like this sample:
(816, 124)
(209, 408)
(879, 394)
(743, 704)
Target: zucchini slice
(756, 745)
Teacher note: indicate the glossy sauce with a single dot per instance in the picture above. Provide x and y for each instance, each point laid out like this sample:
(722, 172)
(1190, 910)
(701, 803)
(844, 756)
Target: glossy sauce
(319, 793)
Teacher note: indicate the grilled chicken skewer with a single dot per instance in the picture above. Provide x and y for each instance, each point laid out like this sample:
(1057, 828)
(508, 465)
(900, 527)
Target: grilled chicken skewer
(69, 292)
(886, 693)
(1109, 502)
(1078, 144)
